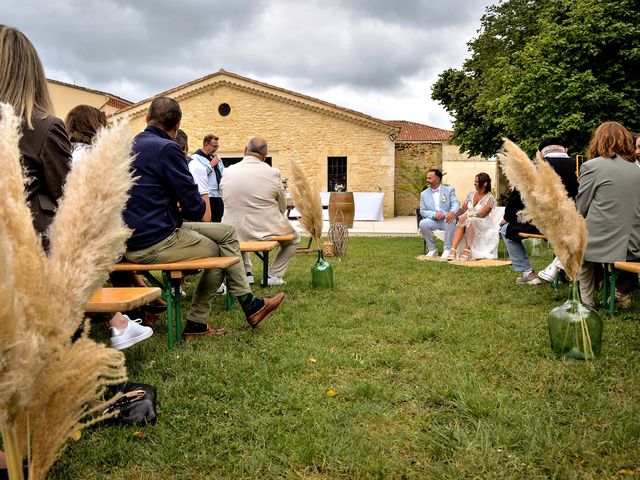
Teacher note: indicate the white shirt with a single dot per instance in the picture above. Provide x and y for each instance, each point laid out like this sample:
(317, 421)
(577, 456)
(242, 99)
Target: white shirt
(436, 198)
(199, 174)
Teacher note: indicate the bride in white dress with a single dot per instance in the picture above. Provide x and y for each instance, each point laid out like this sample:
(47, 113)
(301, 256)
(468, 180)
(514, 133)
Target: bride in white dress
(475, 224)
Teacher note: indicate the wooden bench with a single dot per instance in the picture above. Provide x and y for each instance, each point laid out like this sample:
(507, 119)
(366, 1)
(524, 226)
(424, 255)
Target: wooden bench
(172, 275)
(534, 236)
(609, 283)
(121, 299)
(262, 248)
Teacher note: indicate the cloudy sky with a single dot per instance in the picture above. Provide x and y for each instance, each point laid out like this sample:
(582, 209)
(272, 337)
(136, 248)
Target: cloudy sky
(375, 56)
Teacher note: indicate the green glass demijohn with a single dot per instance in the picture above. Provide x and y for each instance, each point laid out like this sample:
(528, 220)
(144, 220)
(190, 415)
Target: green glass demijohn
(575, 329)
(321, 273)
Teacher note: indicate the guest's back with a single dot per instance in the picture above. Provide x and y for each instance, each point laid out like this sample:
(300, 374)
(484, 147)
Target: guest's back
(609, 199)
(44, 147)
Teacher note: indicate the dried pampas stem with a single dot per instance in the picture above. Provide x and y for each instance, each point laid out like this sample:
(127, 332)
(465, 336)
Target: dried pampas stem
(547, 206)
(91, 232)
(306, 198)
(49, 385)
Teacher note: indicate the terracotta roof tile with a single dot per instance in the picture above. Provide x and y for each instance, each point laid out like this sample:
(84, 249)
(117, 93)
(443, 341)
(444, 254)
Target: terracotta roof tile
(417, 132)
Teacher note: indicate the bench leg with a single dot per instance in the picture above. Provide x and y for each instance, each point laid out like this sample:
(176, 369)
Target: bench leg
(173, 303)
(609, 289)
(264, 257)
(229, 301)
(612, 292)
(176, 283)
(556, 282)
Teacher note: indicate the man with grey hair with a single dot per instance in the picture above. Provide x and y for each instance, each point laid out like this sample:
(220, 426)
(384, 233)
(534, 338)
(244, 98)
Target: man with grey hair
(255, 204)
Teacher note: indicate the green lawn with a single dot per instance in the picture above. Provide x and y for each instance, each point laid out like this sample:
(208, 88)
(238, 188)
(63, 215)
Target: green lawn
(440, 372)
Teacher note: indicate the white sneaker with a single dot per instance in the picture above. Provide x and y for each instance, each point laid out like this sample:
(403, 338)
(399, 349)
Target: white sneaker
(222, 290)
(130, 335)
(250, 278)
(549, 274)
(276, 281)
(432, 253)
(445, 253)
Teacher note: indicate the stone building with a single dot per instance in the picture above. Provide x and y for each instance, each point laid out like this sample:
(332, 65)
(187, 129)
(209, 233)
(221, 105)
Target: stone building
(418, 149)
(336, 146)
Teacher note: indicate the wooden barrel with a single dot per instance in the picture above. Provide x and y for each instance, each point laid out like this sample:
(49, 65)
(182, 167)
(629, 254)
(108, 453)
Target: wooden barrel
(341, 206)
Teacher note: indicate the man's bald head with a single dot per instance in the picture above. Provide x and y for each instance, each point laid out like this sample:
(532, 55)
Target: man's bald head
(257, 147)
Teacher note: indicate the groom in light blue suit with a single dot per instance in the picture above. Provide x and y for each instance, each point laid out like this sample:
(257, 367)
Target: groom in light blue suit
(438, 209)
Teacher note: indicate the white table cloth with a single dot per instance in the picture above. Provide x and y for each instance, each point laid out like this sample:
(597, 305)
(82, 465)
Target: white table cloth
(369, 206)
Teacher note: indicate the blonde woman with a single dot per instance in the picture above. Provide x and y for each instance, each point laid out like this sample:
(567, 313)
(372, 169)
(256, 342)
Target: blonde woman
(45, 150)
(44, 146)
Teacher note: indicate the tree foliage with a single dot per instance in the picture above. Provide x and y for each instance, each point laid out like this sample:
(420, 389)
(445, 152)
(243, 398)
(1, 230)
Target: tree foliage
(545, 67)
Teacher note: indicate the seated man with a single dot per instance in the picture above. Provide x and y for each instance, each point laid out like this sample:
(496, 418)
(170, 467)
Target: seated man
(255, 203)
(554, 150)
(510, 230)
(438, 208)
(165, 194)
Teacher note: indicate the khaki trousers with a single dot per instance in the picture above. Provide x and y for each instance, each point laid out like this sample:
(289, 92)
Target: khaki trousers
(198, 240)
(285, 253)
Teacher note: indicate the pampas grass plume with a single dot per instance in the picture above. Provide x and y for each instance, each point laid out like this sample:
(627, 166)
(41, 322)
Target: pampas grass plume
(547, 206)
(306, 198)
(49, 385)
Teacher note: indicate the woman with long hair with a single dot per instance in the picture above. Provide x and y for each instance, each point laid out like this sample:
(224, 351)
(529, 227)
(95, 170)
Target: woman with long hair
(475, 224)
(609, 200)
(44, 146)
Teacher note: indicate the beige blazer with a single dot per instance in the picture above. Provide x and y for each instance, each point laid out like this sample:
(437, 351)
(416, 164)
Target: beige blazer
(254, 201)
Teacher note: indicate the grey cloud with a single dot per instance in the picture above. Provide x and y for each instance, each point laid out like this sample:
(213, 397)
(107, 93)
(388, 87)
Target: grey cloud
(145, 47)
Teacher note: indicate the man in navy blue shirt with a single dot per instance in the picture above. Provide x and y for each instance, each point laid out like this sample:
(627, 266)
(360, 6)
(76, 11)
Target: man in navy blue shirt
(163, 196)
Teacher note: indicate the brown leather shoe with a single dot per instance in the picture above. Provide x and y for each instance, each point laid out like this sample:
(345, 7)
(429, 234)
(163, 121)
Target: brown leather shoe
(209, 332)
(270, 304)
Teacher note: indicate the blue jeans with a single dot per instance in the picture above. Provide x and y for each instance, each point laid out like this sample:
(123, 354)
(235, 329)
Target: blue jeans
(517, 252)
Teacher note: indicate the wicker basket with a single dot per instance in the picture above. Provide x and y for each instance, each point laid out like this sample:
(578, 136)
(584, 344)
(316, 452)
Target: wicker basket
(338, 236)
(327, 248)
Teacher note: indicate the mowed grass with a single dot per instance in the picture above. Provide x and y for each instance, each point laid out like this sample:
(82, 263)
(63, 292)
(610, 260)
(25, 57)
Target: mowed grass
(439, 372)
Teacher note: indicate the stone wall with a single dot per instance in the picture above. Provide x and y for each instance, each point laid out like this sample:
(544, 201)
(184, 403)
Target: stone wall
(461, 170)
(409, 155)
(294, 131)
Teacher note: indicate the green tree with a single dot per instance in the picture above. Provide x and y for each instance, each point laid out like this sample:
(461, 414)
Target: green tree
(540, 68)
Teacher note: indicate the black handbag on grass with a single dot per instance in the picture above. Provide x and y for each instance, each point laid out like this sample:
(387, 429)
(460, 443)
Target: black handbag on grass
(137, 406)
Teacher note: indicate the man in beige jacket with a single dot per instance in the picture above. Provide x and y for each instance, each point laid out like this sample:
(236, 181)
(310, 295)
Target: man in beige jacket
(254, 203)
